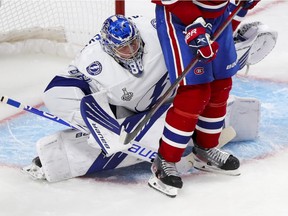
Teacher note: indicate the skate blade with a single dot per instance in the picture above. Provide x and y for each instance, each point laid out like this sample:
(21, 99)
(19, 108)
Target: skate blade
(206, 168)
(156, 184)
(35, 174)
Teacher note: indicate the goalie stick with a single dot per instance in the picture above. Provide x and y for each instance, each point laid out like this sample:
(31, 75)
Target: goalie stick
(126, 137)
(136, 150)
(19, 105)
(144, 153)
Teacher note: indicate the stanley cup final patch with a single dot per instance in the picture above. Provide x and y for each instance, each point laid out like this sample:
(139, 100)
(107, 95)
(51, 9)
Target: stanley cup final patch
(94, 68)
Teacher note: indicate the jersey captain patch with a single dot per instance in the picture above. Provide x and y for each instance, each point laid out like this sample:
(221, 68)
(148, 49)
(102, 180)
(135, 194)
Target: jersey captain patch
(94, 68)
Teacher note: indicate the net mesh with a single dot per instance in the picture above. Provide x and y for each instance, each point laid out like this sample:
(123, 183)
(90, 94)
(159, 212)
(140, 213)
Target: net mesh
(74, 21)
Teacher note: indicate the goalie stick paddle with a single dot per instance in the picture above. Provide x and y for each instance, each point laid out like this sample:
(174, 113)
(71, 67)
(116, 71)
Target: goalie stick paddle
(128, 137)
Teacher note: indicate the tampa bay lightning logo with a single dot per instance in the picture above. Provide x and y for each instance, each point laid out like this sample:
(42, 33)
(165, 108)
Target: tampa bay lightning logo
(94, 68)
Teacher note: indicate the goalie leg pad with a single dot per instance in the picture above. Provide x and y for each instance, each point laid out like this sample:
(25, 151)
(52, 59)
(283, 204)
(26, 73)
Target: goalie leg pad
(65, 155)
(243, 115)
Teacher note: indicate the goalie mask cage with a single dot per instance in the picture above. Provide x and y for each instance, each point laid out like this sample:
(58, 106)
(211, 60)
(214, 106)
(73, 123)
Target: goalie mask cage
(69, 21)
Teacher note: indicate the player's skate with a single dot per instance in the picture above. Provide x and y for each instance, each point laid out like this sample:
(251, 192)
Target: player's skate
(35, 169)
(215, 160)
(165, 177)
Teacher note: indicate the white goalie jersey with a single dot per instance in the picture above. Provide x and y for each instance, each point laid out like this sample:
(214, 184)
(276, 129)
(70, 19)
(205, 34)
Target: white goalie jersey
(104, 74)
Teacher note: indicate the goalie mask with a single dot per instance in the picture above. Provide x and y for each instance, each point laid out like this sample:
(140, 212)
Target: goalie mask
(121, 39)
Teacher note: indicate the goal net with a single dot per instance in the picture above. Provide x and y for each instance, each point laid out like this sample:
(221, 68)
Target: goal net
(64, 21)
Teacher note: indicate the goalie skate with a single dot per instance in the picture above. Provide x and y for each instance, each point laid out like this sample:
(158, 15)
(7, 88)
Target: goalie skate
(34, 170)
(158, 185)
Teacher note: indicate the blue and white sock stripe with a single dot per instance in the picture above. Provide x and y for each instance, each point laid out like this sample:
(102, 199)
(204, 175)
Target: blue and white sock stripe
(210, 125)
(175, 137)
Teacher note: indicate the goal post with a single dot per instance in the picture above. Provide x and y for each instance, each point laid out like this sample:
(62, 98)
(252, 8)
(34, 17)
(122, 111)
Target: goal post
(120, 7)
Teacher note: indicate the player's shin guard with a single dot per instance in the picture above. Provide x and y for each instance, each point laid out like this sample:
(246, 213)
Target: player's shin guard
(211, 121)
(181, 120)
(176, 135)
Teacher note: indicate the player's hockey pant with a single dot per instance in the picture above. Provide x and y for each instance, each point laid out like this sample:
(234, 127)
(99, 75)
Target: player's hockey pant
(196, 109)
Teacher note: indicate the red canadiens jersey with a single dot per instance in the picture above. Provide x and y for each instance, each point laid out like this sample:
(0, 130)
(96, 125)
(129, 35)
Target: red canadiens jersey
(188, 11)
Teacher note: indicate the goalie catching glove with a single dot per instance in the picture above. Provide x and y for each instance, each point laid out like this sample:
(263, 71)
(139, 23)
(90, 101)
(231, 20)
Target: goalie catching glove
(197, 35)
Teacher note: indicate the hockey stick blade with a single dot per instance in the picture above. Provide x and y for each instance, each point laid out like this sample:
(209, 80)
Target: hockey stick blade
(227, 134)
(128, 137)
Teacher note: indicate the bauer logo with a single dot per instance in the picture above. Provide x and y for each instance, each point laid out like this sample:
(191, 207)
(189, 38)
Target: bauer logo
(199, 71)
(143, 152)
(94, 68)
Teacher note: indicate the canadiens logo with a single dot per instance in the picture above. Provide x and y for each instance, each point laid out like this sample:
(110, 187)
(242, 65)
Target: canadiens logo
(94, 68)
(199, 70)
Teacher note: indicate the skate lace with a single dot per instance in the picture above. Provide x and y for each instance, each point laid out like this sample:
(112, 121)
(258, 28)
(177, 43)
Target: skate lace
(218, 155)
(169, 168)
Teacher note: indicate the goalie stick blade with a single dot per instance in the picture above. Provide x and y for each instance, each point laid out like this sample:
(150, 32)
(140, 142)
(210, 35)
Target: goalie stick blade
(156, 184)
(186, 163)
(226, 136)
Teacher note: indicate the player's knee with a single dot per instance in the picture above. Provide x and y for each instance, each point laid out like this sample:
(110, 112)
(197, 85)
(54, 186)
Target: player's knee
(220, 90)
(192, 99)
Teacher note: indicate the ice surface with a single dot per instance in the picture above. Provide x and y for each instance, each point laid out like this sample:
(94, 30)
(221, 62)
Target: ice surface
(260, 190)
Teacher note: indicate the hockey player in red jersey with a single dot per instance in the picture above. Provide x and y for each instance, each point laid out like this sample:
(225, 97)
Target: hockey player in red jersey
(184, 30)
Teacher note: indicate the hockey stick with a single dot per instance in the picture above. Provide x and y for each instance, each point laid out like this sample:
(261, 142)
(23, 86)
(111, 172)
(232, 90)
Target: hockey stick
(141, 152)
(145, 153)
(128, 137)
(17, 104)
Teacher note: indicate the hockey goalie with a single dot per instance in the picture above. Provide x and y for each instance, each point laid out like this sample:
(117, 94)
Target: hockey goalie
(111, 85)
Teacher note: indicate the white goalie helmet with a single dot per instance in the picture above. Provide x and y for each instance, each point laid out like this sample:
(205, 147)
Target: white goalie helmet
(121, 39)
